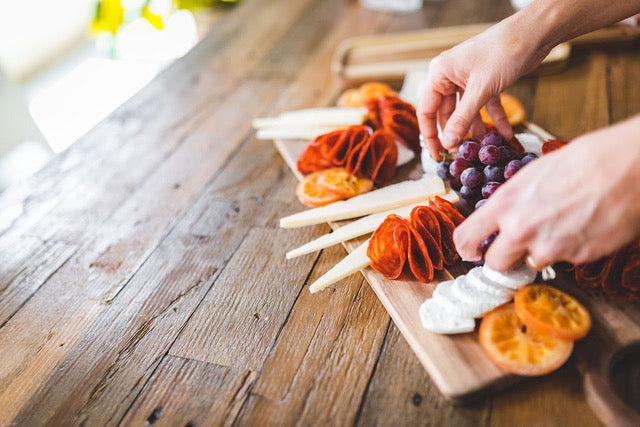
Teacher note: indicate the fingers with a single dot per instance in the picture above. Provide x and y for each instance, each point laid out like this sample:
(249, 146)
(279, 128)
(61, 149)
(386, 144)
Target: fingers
(504, 253)
(427, 120)
(447, 107)
(462, 117)
(472, 231)
(477, 129)
(499, 116)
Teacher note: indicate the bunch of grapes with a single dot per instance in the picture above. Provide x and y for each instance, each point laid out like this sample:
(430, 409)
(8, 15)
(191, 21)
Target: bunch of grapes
(481, 167)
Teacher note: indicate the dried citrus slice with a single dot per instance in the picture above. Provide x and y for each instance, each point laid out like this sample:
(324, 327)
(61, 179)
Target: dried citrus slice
(512, 106)
(372, 90)
(519, 349)
(313, 195)
(551, 311)
(350, 98)
(343, 183)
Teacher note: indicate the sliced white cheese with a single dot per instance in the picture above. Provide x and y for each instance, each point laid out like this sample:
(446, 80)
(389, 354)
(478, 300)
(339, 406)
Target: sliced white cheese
(443, 294)
(463, 290)
(352, 263)
(530, 142)
(477, 279)
(436, 319)
(304, 133)
(385, 198)
(334, 117)
(352, 230)
(405, 155)
(514, 279)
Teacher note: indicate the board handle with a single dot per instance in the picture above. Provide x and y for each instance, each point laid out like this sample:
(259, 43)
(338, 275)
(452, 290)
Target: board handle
(612, 388)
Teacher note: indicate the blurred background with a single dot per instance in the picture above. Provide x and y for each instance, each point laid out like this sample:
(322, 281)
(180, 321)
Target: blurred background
(65, 65)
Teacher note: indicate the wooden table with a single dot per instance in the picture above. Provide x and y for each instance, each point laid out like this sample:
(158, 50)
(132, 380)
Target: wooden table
(142, 272)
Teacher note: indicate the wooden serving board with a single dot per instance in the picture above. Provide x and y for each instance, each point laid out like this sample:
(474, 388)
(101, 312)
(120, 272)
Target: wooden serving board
(456, 363)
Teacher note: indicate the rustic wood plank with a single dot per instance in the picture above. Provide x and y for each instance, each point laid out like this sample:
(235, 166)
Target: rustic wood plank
(215, 395)
(400, 382)
(318, 370)
(239, 319)
(20, 277)
(106, 263)
(575, 101)
(624, 85)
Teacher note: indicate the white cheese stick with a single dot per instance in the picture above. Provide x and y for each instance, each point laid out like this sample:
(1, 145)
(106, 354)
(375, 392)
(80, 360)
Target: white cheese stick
(352, 230)
(385, 198)
(352, 263)
(305, 133)
(319, 117)
(359, 227)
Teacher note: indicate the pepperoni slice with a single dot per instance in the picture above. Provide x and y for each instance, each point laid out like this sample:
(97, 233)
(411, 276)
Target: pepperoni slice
(592, 275)
(315, 156)
(394, 243)
(612, 284)
(352, 140)
(631, 267)
(376, 159)
(447, 208)
(426, 223)
(516, 145)
(446, 238)
(552, 144)
(398, 117)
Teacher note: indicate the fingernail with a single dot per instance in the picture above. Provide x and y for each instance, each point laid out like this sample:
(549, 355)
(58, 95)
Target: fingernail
(449, 140)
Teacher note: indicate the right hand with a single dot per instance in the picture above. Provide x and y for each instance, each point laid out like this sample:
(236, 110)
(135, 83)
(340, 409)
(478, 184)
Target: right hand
(478, 70)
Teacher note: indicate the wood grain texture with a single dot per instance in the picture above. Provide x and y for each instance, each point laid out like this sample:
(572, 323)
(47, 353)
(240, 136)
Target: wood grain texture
(153, 241)
(216, 395)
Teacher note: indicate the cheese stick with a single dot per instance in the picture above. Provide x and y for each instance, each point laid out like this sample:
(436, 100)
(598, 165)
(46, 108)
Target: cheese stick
(293, 132)
(385, 198)
(358, 227)
(333, 117)
(352, 263)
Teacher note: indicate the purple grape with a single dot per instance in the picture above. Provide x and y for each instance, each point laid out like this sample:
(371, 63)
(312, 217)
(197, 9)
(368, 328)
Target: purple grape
(494, 173)
(512, 167)
(484, 245)
(469, 193)
(489, 188)
(443, 170)
(472, 177)
(528, 158)
(480, 203)
(457, 166)
(507, 154)
(469, 150)
(455, 183)
(491, 138)
(489, 155)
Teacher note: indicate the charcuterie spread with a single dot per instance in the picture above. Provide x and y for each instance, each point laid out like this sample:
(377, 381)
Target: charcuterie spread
(412, 224)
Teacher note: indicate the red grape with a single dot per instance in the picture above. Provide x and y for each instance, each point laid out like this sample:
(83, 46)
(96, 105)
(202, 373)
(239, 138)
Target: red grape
(494, 173)
(443, 170)
(472, 177)
(489, 188)
(512, 168)
(457, 166)
(489, 155)
(469, 150)
(491, 138)
(528, 158)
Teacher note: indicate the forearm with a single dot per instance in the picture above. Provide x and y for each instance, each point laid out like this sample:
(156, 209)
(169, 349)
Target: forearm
(557, 21)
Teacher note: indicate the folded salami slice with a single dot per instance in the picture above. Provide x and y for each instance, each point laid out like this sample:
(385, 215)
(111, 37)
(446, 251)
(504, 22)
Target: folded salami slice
(631, 268)
(398, 117)
(592, 275)
(426, 223)
(450, 256)
(315, 156)
(395, 243)
(376, 158)
(612, 283)
(350, 141)
(447, 208)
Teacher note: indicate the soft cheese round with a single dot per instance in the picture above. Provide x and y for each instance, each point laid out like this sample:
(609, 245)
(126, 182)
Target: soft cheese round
(443, 294)
(436, 319)
(477, 279)
(465, 291)
(515, 279)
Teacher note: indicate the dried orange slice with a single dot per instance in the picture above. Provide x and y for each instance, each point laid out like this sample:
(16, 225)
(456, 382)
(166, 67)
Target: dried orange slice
(313, 195)
(343, 183)
(357, 97)
(550, 311)
(519, 349)
(512, 106)
(350, 98)
(372, 90)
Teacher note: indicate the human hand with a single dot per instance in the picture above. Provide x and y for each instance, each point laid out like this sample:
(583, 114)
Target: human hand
(476, 70)
(576, 204)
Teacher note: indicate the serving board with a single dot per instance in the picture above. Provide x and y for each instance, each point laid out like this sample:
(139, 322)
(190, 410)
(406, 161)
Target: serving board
(457, 364)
